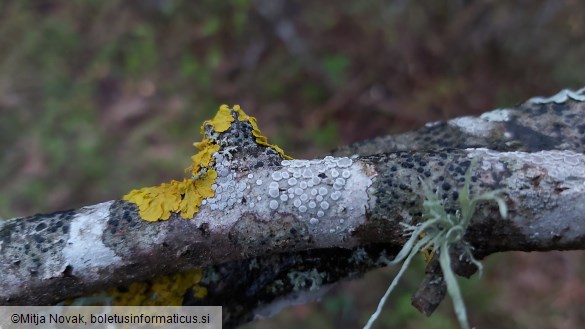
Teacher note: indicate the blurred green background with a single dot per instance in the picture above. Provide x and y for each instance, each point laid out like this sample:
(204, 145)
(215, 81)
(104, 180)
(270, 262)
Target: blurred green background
(99, 97)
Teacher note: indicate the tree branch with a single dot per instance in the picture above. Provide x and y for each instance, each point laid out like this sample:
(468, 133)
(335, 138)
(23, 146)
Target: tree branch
(309, 223)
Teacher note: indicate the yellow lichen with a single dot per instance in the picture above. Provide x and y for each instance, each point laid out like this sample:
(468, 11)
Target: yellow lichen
(199, 292)
(167, 290)
(158, 202)
(222, 121)
(194, 191)
(185, 197)
(203, 158)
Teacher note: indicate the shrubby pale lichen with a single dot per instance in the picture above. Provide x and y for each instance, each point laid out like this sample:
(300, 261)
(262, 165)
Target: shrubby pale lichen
(438, 233)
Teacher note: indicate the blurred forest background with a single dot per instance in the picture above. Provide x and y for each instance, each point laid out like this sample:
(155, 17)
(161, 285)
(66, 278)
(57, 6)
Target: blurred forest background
(99, 97)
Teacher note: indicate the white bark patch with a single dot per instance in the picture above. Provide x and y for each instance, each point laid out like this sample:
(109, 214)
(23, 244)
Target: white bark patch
(473, 126)
(85, 251)
(497, 115)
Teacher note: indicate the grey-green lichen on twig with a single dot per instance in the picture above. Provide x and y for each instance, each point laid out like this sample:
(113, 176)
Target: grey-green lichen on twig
(439, 232)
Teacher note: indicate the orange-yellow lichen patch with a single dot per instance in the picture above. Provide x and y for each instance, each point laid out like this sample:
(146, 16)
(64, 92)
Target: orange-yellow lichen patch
(163, 291)
(194, 191)
(203, 158)
(158, 202)
(222, 121)
(260, 139)
(185, 197)
(199, 292)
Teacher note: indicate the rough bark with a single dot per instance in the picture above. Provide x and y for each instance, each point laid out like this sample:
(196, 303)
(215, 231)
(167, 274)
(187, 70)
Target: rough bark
(309, 223)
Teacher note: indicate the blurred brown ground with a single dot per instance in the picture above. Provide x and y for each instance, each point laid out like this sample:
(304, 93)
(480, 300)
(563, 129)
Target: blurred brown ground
(99, 97)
